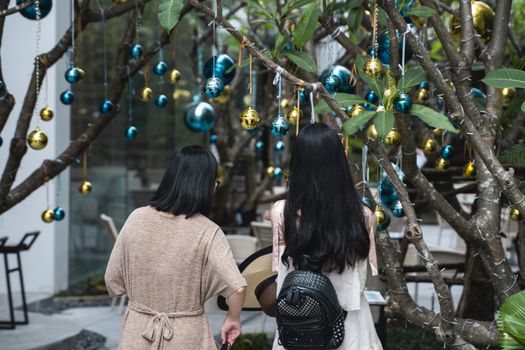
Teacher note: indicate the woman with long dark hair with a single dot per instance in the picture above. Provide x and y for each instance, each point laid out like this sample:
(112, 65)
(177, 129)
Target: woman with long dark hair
(322, 226)
(169, 259)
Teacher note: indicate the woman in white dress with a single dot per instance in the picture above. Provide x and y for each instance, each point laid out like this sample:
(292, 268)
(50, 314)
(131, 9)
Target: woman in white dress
(323, 224)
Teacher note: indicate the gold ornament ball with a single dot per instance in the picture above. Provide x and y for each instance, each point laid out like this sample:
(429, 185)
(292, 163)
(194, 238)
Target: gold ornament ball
(293, 115)
(48, 216)
(438, 132)
(372, 132)
(286, 175)
(429, 146)
(442, 164)
(508, 95)
(356, 110)
(393, 137)
(46, 114)
(422, 95)
(224, 97)
(380, 216)
(269, 170)
(81, 72)
(145, 94)
(482, 17)
(180, 95)
(249, 118)
(285, 103)
(37, 139)
(174, 76)
(515, 214)
(85, 187)
(373, 67)
(469, 170)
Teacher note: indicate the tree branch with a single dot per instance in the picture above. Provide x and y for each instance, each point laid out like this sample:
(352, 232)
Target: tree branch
(15, 9)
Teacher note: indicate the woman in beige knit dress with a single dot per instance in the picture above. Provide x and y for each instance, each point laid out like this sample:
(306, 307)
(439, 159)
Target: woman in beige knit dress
(169, 259)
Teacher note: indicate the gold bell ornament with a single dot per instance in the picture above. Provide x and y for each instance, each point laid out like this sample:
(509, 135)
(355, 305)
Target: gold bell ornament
(380, 216)
(180, 95)
(293, 115)
(508, 94)
(37, 139)
(48, 216)
(373, 67)
(429, 146)
(393, 137)
(469, 170)
(249, 118)
(422, 95)
(224, 97)
(269, 170)
(356, 110)
(482, 17)
(46, 114)
(174, 76)
(442, 164)
(372, 132)
(145, 94)
(285, 104)
(85, 187)
(515, 214)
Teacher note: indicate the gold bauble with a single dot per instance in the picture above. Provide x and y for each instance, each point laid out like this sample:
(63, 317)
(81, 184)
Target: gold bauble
(393, 137)
(81, 73)
(286, 175)
(429, 146)
(37, 139)
(389, 94)
(482, 17)
(46, 114)
(293, 115)
(438, 132)
(422, 95)
(269, 170)
(85, 187)
(380, 216)
(174, 76)
(224, 97)
(356, 110)
(469, 170)
(285, 103)
(249, 118)
(220, 172)
(145, 94)
(442, 164)
(508, 94)
(48, 216)
(180, 95)
(515, 214)
(372, 132)
(373, 67)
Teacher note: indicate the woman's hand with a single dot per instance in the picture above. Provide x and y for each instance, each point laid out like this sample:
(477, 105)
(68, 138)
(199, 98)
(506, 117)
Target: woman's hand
(230, 329)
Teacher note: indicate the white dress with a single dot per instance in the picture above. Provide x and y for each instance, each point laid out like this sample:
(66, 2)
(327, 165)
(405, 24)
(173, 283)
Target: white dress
(360, 333)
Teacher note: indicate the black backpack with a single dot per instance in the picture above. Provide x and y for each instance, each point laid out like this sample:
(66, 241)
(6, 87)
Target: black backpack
(309, 315)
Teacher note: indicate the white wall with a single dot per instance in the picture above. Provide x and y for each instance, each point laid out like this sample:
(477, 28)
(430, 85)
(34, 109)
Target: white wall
(45, 266)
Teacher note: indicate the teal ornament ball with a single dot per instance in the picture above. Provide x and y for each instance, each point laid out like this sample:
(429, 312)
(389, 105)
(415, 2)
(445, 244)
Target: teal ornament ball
(279, 147)
(30, 11)
(280, 126)
(200, 117)
(213, 87)
(136, 51)
(424, 85)
(304, 96)
(106, 107)
(259, 146)
(387, 192)
(60, 213)
(67, 97)
(383, 50)
(73, 75)
(161, 101)
(337, 79)
(213, 138)
(368, 202)
(277, 173)
(447, 152)
(131, 132)
(332, 84)
(372, 97)
(160, 68)
(221, 66)
(385, 225)
(397, 209)
(403, 103)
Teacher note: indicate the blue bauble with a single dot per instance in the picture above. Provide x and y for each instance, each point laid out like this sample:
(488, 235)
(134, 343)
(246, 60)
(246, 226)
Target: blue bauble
(337, 79)
(280, 127)
(224, 68)
(279, 147)
(277, 173)
(60, 213)
(67, 97)
(447, 152)
(200, 117)
(131, 132)
(368, 202)
(403, 103)
(424, 85)
(213, 138)
(477, 93)
(161, 101)
(136, 51)
(2, 87)
(372, 97)
(73, 75)
(385, 225)
(160, 68)
(332, 83)
(383, 50)
(368, 106)
(106, 107)
(387, 192)
(397, 209)
(304, 96)
(259, 146)
(213, 87)
(30, 11)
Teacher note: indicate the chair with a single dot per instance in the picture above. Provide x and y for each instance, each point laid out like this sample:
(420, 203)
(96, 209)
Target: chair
(263, 232)
(242, 246)
(112, 230)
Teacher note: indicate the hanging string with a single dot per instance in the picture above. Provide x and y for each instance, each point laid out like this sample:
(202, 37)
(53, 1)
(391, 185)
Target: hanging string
(79, 31)
(254, 88)
(173, 46)
(245, 42)
(47, 195)
(403, 56)
(130, 97)
(298, 110)
(278, 81)
(138, 22)
(37, 59)
(72, 56)
(251, 74)
(200, 63)
(374, 28)
(105, 50)
(312, 116)
(84, 165)
(364, 168)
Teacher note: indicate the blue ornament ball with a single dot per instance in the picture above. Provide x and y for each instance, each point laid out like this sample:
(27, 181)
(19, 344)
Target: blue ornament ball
(60, 213)
(279, 147)
(213, 87)
(387, 192)
(304, 96)
(447, 152)
(2, 87)
(200, 117)
(224, 68)
(136, 51)
(372, 97)
(30, 11)
(368, 202)
(161, 101)
(160, 68)
(213, 138)
(106, 107)
(67, 97)
(397, 209)
(337, 79)
(277, 173)
(73, 75)
(332, 83)
(280, 127)
(131, 132)
(403, 103)
(259, 146)
(424, 85)
(383, 49)
(368, 106)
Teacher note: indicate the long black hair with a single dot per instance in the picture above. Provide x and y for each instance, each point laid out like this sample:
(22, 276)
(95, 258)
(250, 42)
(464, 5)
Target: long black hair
(324, 225)
(188, 185)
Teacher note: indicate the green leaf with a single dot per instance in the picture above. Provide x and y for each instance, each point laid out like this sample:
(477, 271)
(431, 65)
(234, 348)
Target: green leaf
(505, 78)
(355, 17)
(302, 60)
(375, 84)
(477, 66)
(511, 322)
(258, 6)
(432, 118)
(280, 43)
(513, 155)
(292, 5)
(523, 106)
(342, 100)
(352, 125)
(305, 28)
(413, 77)
(384, 121)
(169, 13)
(421, 11)
(354, 4)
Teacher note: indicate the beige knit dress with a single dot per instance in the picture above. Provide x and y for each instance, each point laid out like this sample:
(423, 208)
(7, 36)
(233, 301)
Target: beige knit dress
(168, 266)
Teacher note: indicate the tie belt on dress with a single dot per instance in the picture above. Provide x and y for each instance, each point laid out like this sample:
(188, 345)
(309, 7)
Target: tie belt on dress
(159, 327)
